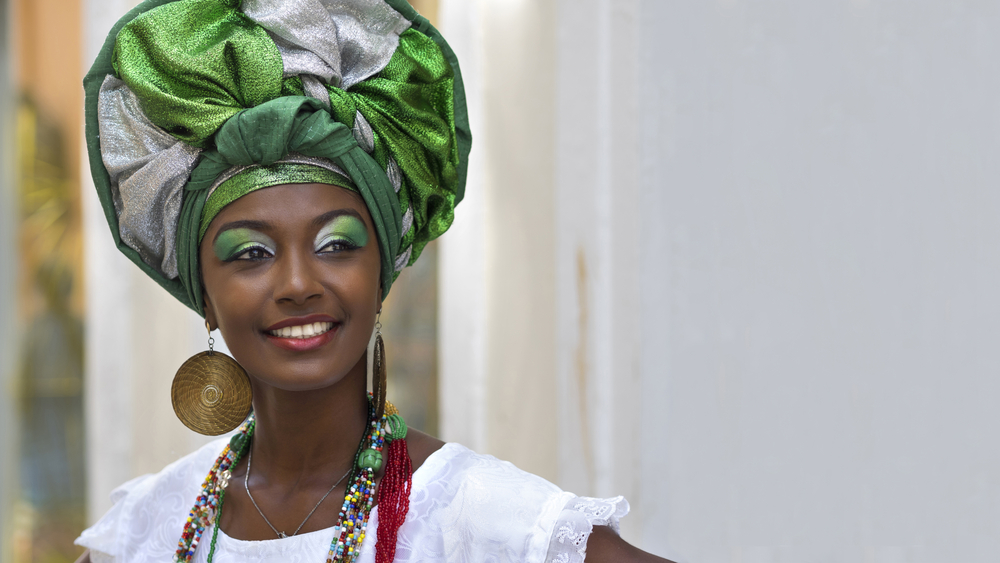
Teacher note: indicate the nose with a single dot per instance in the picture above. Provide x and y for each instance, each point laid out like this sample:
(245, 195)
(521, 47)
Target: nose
(296, 278)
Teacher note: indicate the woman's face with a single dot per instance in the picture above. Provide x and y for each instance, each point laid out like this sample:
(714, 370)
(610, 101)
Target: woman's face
(291, 278)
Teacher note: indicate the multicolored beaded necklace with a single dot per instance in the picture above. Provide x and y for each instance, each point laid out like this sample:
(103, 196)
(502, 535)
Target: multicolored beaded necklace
(393, 492)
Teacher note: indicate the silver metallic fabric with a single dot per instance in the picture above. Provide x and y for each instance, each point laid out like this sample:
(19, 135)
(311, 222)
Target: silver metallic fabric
(403, 259)
(363, 133)
(366, 35)
(148, 169)
(407, 222)
(316, 89)
(395, 176)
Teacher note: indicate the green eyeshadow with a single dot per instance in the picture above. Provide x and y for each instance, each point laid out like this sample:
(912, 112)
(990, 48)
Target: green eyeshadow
(232, 242)
(344, 229)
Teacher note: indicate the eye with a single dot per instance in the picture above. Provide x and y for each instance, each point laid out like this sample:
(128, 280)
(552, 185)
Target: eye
(336, 245)
(253, 253)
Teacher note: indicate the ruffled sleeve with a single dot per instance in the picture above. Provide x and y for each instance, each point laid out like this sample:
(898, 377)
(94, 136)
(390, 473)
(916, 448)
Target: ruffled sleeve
(102, 538)
(467, 507)
(149, 512)
(576, 522)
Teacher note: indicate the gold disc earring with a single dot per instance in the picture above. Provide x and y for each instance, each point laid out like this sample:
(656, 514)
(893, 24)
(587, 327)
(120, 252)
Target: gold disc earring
(211, 392)
(379, 370)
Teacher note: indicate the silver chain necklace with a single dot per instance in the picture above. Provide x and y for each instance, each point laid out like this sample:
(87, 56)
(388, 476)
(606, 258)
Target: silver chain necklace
(282, 535)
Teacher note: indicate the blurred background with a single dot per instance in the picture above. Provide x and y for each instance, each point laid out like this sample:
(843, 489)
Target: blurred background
(736, 260)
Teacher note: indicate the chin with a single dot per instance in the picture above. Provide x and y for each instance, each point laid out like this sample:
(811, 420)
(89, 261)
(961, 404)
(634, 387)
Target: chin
(306, 374)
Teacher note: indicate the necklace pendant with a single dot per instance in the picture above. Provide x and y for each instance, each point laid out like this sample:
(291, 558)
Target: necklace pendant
(282, 535)
(223, 480)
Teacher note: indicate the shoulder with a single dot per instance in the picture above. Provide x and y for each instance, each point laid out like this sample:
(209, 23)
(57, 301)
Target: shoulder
(149, 511)
(184, 475)
(488, 509)
(466, 506)
(457, 470)
(421, 446)
(493, 510)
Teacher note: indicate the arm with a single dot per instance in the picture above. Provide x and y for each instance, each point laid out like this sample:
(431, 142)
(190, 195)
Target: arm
(85, 558)
(605, 546)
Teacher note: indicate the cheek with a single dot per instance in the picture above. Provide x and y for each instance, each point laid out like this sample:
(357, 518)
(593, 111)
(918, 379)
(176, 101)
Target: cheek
(234, 306)
(356, 288)
(374, 279)
(229, 304)
(229, 297)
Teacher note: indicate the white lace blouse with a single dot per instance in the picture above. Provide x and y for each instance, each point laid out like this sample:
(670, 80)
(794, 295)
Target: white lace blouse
(464, 507)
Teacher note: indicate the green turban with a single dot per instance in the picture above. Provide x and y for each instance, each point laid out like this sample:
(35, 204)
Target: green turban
(193, 104)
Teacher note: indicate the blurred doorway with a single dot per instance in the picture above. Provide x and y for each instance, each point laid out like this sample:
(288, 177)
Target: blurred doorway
(49, 508)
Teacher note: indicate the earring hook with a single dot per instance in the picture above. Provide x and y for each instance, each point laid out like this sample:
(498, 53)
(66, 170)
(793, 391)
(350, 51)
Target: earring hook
(211, 341)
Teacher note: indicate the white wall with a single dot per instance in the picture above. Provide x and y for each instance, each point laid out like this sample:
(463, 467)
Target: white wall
(462, 258)
(604, 394)
(776, 271)
(557, 390)
(497, 265)
(822, 236)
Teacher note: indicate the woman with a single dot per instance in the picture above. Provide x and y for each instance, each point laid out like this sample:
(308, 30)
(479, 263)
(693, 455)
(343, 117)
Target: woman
(274, 164)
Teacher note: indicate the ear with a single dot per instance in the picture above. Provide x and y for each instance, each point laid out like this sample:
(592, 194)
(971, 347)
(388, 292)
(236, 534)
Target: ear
(210, 317)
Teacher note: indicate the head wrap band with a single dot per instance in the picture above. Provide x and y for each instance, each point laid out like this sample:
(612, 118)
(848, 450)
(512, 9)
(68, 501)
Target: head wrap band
(194, 103)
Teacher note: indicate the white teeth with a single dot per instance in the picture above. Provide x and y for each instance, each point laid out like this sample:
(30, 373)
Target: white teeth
(302, 331)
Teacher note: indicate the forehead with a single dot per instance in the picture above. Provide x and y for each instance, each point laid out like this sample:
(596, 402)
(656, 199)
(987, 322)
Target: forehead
(288, 205)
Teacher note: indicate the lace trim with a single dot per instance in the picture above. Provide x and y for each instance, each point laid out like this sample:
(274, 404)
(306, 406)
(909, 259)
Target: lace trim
(576, 522)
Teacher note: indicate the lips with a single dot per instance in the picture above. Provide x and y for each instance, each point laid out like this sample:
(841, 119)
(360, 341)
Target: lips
(302, 334)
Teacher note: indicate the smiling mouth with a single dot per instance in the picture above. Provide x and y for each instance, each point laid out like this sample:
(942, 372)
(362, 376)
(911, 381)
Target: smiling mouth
(302, 332)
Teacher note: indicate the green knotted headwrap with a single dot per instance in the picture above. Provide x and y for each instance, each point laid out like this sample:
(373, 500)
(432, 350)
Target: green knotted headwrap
(194, 103)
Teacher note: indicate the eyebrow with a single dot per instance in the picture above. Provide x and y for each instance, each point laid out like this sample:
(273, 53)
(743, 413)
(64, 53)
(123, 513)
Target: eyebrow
(330, 215)
(265, 226)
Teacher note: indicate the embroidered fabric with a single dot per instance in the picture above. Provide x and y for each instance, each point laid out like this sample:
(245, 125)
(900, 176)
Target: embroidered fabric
(576, 522)
(464, 507)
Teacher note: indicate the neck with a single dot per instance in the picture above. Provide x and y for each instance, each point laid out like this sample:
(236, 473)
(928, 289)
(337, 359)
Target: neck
(309, 434)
